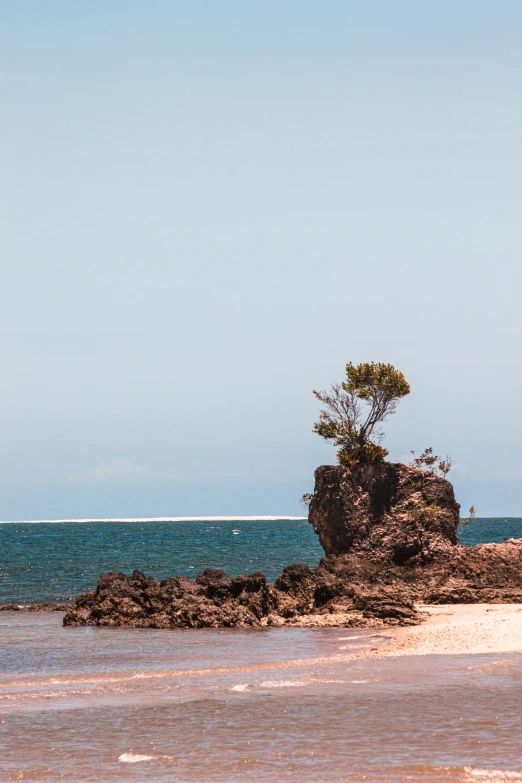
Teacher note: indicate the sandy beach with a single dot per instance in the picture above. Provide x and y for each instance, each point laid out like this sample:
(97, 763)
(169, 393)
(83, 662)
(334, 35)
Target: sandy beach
(459, 628)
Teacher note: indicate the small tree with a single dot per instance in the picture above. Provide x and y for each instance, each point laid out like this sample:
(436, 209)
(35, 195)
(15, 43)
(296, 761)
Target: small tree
(430, 461)
(445, 465)
(354, 409)
(427, 460)
(472, 516)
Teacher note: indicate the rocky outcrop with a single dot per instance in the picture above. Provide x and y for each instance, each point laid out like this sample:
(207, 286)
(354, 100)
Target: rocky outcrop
(215, 601)
(390, 534)
(211, 601)
(487, 573)
(387, 512)
(346, 590)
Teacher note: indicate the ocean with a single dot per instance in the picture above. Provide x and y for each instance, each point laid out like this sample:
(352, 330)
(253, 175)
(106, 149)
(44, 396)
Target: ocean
(56, 561)
(228, 705)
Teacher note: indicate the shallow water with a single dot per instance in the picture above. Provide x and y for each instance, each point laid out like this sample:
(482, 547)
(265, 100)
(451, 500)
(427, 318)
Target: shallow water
(55, 562)
(99, 704)
(93, 704)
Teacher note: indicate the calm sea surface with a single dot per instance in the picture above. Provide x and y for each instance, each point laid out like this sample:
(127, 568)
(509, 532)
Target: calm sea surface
(57, 561)
(223, 706)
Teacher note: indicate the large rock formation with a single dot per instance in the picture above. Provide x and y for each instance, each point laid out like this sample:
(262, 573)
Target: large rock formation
(487, 573)
(346, 590)
(385, 511)
(299, 596)
(390, 534)
(212, 600)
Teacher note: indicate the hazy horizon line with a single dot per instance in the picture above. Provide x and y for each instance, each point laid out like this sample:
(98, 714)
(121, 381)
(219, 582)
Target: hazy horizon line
(154, 519)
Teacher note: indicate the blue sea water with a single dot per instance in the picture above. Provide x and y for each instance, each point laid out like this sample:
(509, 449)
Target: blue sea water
(57, 561)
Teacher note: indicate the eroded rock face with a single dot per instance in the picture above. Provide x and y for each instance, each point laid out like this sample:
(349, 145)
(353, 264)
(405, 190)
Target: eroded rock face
(388, 511)
(212, 601)
(347, 590)
(215, 601)
(487, 573)
(390, 534)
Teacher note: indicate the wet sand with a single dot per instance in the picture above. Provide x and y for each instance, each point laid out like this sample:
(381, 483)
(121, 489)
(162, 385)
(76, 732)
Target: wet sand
(457, 629)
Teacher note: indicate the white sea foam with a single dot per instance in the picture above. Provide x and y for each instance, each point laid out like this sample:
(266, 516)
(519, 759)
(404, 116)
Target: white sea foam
(269, 684)
(282, 684)
(153, 519)
(135, 758)
(490, 775)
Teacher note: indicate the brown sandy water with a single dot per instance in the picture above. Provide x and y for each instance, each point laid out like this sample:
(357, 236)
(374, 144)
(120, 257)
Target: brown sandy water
(88, 704)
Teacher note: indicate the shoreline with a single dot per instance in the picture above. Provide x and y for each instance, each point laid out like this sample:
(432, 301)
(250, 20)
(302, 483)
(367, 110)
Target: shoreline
(456, 629)
(446, 629)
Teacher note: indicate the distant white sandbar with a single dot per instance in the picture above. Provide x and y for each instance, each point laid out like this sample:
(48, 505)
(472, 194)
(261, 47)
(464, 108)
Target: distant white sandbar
(152, 519)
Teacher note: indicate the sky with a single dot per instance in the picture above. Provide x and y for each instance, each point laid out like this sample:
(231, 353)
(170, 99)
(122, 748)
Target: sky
(209, 208)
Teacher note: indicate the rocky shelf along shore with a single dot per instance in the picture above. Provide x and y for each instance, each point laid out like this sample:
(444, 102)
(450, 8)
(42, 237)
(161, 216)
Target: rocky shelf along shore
(390, 536)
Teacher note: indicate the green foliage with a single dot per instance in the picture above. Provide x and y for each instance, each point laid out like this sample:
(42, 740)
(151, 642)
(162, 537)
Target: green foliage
(445, 465)
(427, 514)
(427, 460)
(472, 516)
(430, 461)
(355, 407)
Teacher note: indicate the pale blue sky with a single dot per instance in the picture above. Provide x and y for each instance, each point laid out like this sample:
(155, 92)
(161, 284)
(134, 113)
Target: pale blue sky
(209, 207)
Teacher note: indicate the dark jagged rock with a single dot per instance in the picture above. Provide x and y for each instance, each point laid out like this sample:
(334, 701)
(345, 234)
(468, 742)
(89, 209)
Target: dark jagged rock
(487, 573)
(390, 536)
(74, 618)
(385, 511)
(215, 601)
(342, 590)
(212, 601)
(293, 592)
